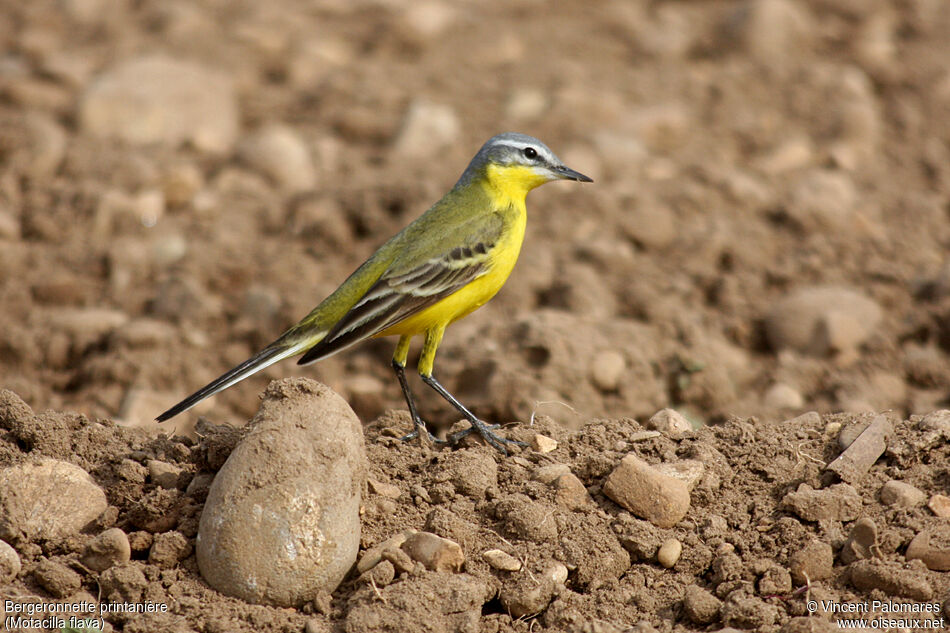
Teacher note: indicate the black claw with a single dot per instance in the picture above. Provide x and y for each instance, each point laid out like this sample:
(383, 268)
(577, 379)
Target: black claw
(485, 430)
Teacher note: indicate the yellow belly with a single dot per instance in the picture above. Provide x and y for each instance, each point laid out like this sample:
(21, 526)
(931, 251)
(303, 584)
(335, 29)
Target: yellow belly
(475, 294)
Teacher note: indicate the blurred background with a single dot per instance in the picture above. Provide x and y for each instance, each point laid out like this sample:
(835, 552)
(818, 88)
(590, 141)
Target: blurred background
(767, 233)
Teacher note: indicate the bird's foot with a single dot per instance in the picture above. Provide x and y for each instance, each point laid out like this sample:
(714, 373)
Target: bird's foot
(486, 431)
(418, 430)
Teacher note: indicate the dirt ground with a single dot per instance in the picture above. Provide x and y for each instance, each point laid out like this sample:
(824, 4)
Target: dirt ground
(766, 236)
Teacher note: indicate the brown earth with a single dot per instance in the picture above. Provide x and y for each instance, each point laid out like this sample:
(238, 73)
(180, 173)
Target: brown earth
(766, 236)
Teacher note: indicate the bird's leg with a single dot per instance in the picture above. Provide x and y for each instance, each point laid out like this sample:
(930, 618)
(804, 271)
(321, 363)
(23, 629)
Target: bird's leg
(399, 365)
(426, 362)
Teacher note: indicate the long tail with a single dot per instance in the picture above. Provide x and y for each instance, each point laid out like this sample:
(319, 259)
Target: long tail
(274, 352)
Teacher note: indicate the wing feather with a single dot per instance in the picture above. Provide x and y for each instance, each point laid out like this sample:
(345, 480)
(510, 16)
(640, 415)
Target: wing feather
(395, 297)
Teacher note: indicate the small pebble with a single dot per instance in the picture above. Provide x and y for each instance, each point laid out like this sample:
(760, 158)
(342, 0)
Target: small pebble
(109, 548)
(164, 474)
(690, 471)
(669, 553)
(783, 396)
(638, 487)
(570, 492)
(898, 493)
(670, 422)
(547, 474)
(939, 505)
(47, 499)
(861, 541)
(384, 489)
(374, 555)
(543, 443)
(400, 560)
(501, 560)
(606, 370)
(871, 574)
(932, 547)
(435, 552)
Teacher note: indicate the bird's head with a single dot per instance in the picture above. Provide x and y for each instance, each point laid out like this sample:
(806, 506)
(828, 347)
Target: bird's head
(517, 163)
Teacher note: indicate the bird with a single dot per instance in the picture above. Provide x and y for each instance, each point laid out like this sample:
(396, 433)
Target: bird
(441, 267)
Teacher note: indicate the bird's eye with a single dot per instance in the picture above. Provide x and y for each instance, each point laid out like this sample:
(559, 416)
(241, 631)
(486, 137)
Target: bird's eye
(530, 152)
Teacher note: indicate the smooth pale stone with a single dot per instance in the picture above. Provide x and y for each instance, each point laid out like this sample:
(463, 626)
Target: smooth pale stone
(281, 523)
(47, 499)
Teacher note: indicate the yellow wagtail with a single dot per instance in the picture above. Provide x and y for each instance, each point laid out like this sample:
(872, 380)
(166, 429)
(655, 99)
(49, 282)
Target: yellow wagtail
(441, 267)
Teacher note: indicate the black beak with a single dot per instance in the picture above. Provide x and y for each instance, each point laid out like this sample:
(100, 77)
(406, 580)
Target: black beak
(566, 173)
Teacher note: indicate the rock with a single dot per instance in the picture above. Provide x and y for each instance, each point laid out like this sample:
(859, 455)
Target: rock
(689, 471)
(701, 607)
(279, 152)
(10, 228)
(374, 555)
(400, 561)
(110, 548)
(548, 474)
(814, 561)
(384, 489)
(606, 369)
(9, 563)
(868, 575)
(936, 421)
(902, 494)
(638, 487)
(181, 183)
(526, 594)
(851, 432)
(861, 541)
(543, 443)
(56, 578)
(157, 99)
(168, 549)
(784, 396)
(839, 502)
(427, 127)
(671, 423)
(823, 199)
(501, 560)
(854, 463)
(669, 553)
(570, 492)
(47, 499)
(281, 522)
(932, 547)
(435, 552)
(164, 474)
(805, 320)
(939, 505)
